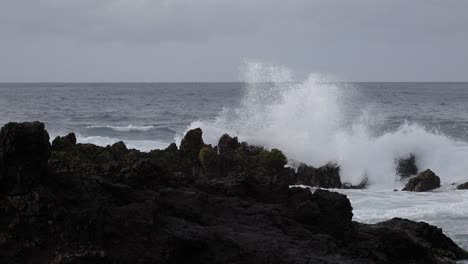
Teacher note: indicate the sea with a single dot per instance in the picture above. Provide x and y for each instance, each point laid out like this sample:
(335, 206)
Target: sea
(363, 126)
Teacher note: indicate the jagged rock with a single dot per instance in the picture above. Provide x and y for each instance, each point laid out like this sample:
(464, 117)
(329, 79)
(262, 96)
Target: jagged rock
(90, 210)
(119, 148)
(327, 176)
(425, 181)
(335, 211)
(67, 141)
(406, 167)
(209, 160)
(405, 245)
(227, 144)
(24, 152)
(463, 186)
(172, 148)
(192, 143)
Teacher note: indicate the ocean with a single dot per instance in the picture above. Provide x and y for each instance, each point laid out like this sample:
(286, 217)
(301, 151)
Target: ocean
(362, 126)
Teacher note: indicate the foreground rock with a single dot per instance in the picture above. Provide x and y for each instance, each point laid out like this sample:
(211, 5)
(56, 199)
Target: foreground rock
(225, 204)
(24, 151)
(425, 181)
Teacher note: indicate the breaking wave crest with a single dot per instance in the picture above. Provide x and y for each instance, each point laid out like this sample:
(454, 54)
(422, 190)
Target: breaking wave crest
(316, 121)
(128, 128)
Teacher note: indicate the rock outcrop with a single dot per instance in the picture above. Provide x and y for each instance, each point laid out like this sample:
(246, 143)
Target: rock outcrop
(327, 176)
(406, 167)
(118, 205)
(463, 186)
(425, 181)
(24, 151)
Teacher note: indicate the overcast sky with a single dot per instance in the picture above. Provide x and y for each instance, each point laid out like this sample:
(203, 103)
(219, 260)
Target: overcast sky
(208, 40)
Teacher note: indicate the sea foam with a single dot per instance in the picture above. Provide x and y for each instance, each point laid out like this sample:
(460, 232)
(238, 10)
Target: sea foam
(128, 128)
(310, 121)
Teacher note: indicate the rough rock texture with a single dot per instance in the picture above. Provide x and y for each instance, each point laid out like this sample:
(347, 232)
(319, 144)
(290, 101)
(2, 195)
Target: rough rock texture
(115, 205)
(61, 143)
(425, 181)
(463, 186)
(406, 167)
(24, 151)
(327, 176)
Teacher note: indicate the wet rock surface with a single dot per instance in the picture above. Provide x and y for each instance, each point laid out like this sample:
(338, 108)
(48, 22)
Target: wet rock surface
(406, 167)
(327, 176)
(463, 186)
(199, 204)
(425, 181)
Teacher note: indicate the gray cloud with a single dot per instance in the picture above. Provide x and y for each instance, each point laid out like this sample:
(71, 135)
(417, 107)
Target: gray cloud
(207, 40)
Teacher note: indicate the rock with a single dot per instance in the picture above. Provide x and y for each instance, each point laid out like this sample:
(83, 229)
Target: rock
(406, 167)
(24, 152)
(192, 143)
(209, 161)
(424, 182)
(118, 149)
(273, 159)
(335, 211)
(227, 144)
(463, 186)
(114, 205)
(61, 143)
(406, 242)
(172, 148)
(327, 176)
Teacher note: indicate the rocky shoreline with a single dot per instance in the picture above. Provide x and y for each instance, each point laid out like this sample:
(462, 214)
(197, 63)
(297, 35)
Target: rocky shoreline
(79, 203)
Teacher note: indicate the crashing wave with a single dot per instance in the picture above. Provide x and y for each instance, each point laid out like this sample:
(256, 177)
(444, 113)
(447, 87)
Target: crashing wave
(316, 121)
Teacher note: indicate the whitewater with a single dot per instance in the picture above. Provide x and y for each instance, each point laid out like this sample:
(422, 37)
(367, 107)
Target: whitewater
(310, 122)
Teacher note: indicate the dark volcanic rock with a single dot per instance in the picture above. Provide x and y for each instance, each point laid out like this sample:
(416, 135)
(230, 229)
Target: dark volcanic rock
(425, 181)
(406, 167)
(67, 141)
(335, 212)
(227, 144)
(463, 186)
(327, 176)
(118, 205)
(24, 151)
(192, 143)
(209, 161)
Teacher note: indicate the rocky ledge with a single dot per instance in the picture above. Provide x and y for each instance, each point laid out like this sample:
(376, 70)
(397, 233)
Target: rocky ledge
(231, 203)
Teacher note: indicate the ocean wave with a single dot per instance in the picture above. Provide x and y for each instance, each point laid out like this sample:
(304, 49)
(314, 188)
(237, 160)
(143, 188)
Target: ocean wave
(142, 145)
(128, 128)
(309, 121)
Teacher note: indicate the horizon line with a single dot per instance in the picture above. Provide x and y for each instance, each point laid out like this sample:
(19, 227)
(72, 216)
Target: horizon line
(187, 82)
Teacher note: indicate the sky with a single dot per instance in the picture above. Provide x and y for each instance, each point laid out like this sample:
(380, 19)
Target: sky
(210, 40)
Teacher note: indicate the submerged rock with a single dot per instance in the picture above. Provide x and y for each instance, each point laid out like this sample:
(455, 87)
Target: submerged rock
(406, 167)
(463, 186)
(24, 151)
(425, 181)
